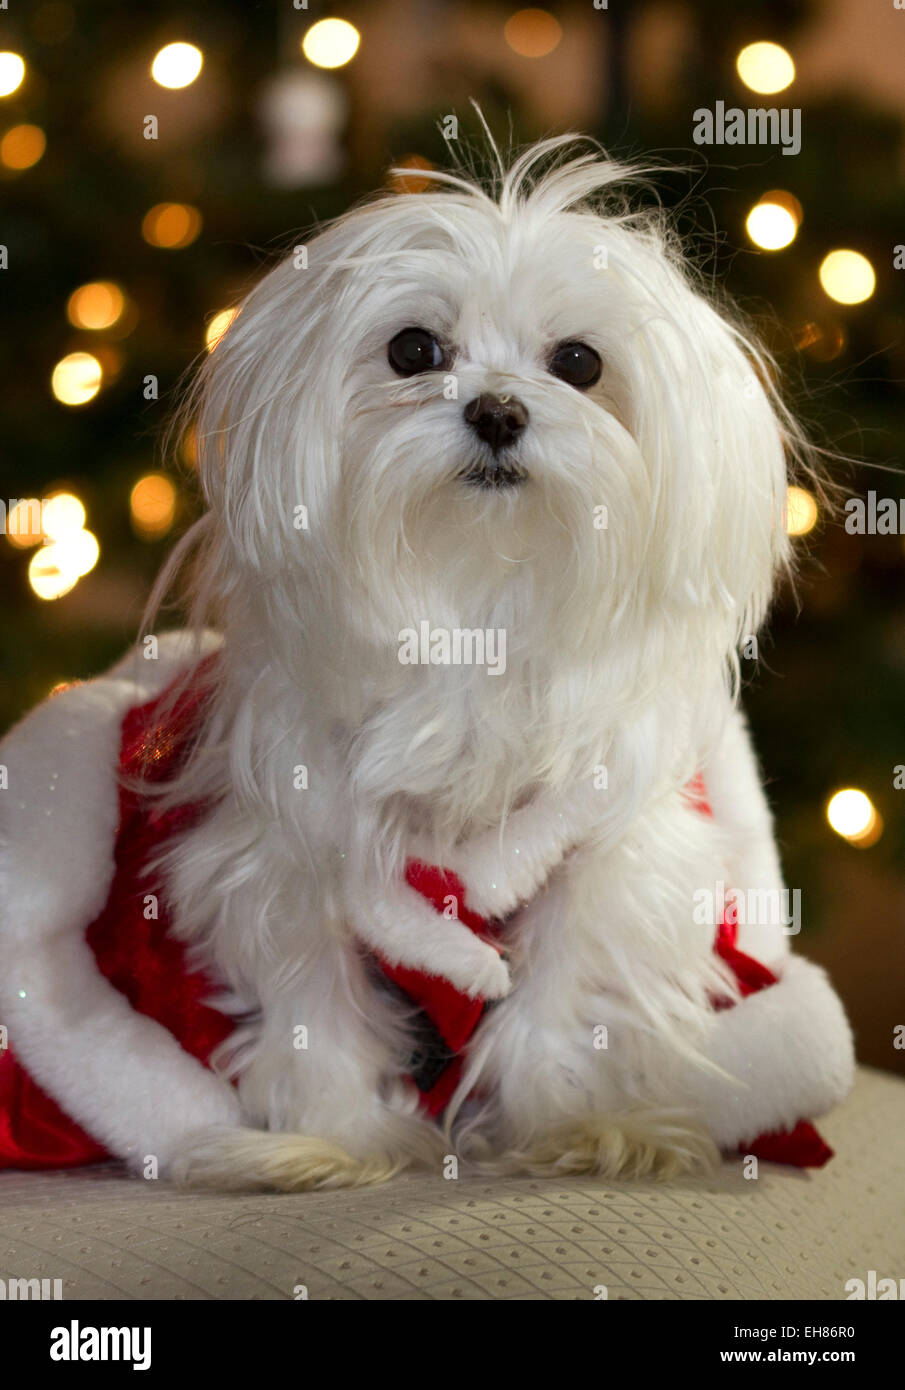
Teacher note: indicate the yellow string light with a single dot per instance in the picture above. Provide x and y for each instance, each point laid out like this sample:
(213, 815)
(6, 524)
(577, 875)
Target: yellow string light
(331, 43)
(217, 327)
(22, 146)
(852, 814)
(177, 65)
(12, 73)
(171, 225)
(765, 67)
(97, 305)
(847, 276)
(76, 378)
(532, 33)
(801, 511)
(773, 222)
(152, 504)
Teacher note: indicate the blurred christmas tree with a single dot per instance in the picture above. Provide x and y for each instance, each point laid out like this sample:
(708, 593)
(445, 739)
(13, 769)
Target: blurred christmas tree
(826, 705)
(146, 229)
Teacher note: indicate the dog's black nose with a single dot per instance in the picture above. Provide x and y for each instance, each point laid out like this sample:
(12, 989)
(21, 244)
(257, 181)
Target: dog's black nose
(496, 419)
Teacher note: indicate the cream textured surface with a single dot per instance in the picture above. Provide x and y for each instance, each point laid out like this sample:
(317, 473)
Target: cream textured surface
(787, 1234)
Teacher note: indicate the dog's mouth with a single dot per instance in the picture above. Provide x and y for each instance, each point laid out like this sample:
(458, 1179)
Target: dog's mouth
(494, 475)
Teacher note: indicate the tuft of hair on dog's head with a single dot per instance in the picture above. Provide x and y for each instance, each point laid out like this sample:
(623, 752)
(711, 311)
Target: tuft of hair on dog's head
(357, 480)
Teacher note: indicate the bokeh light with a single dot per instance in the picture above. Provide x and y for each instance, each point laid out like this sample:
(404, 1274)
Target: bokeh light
(218, 326)
(12, 71)
(848, 277)
(331, 43)
(76, 379)
(413, 182)
(177, 65)
(70, 551)
(152, 505)
(823, 340)
(765, 67)
(171, 225)
(62, 514)
(22, 146)
(532, 33)
(784, 199)
(67, 550)
(773, 222)
(48, 573)
(96, 305)
(801, 511)
(852, 814)
(77, 552)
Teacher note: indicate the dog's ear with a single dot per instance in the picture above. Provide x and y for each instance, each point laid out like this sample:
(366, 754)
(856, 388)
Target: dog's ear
(267, 409)
(715, 439)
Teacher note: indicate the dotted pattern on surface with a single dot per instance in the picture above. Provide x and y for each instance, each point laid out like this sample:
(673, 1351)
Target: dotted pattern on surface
(787, 1234)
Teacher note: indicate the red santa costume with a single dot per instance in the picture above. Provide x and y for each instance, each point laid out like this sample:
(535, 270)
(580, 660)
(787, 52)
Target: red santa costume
(135, 952)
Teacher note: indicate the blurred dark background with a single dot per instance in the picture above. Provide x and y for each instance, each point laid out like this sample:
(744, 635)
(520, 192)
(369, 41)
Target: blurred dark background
(122, 249)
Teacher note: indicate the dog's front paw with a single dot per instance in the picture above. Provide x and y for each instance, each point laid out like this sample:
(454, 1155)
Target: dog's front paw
(493, 980)
(479, 971)
(495, 883)
(490, 901)
(638, 1143)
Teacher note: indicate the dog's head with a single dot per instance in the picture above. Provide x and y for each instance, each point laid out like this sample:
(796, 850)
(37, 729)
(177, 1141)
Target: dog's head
(498, 409)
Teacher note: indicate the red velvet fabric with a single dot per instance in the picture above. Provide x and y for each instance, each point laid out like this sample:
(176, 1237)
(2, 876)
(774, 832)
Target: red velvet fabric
(455, 1015)
(34, 1131)
(132, 949)
(135, 952)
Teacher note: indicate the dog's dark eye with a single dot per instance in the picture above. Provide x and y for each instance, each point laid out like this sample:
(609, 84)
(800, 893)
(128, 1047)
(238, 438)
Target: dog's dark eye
(415, 350)
(577, 364)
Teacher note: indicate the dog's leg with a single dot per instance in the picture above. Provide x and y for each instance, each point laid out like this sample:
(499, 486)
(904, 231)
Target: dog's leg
(503, 868)
(303, 1158)
(603, 985)
(255, 1160)
(405, 929)
(777, 1057)
(613, 1009)
(636, 1142)
(321, 1080)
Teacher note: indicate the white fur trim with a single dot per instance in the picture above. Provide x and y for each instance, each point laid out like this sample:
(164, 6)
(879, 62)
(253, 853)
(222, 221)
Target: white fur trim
(121, 1076)
(739, 804)
(789, 1048)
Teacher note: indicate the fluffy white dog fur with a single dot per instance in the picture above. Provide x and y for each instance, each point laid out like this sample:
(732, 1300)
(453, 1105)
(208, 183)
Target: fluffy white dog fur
(621, 654)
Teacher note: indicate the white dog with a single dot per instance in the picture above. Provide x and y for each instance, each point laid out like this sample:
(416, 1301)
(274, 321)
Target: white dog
(507, 422)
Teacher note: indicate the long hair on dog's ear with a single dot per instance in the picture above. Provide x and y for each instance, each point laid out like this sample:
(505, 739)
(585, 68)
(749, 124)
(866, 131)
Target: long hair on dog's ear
(716, 440)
